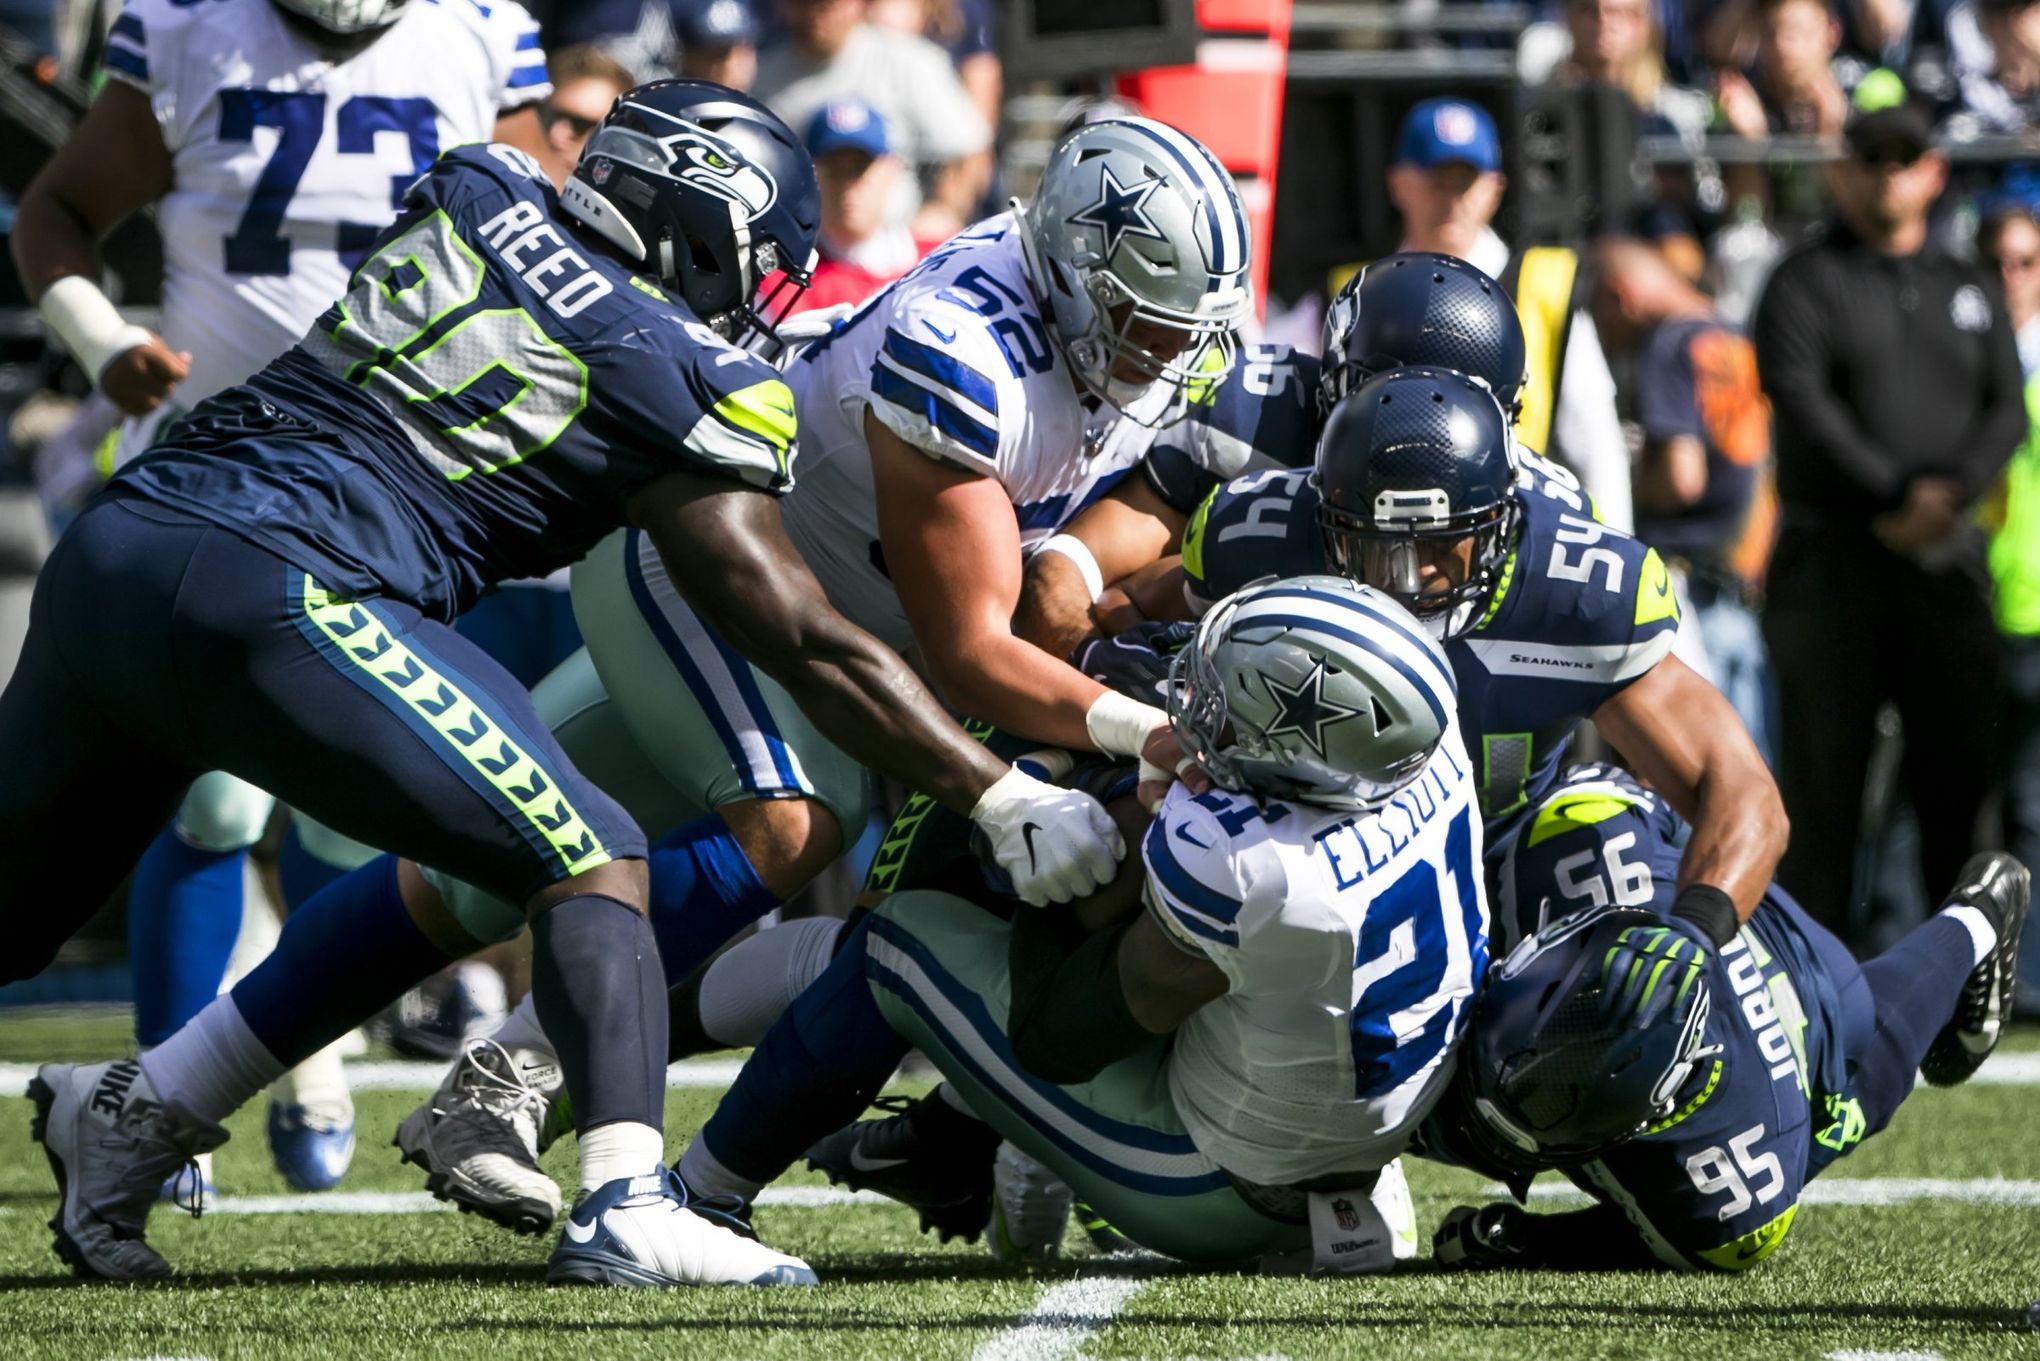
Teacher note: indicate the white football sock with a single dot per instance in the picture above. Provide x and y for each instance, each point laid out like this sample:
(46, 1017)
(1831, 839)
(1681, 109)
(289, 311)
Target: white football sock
(703, 1174)
(622, 1148)
(213, 1065)
(318, 1084)
(749, 984)
(1981, 933)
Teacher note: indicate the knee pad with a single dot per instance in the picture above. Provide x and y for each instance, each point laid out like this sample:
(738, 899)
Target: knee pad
(324, 844)
(221, 813)
(483, 916)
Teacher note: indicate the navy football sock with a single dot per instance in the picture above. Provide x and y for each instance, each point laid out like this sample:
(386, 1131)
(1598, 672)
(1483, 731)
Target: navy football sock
(301, 874)
(184, 911)
(1914, 987)
(704, 891)
(601, 997)
(343, 956)
(816, 1070)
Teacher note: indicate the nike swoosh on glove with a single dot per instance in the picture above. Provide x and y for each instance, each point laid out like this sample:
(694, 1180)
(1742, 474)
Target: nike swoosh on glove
(1135, 663)
(1055, 844)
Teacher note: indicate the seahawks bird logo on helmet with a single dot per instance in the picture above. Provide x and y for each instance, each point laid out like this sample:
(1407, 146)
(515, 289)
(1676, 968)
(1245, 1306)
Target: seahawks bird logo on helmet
(710, 192)
(1137, 250)
(1314, 689)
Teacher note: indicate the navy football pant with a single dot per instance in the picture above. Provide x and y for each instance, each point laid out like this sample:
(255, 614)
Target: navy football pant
(160, 647)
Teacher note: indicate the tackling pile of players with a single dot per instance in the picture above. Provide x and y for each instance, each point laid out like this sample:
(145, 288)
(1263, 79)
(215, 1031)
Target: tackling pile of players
(1352, 629)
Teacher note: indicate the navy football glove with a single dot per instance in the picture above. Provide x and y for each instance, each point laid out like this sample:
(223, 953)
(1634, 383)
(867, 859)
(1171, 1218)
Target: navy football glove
(1136, 662)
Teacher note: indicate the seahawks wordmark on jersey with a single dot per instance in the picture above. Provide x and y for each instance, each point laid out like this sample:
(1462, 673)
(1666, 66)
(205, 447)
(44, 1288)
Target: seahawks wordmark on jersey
(1353, 943)
(1581, 612)
(480, 406)
(286, 163)
(957, 361)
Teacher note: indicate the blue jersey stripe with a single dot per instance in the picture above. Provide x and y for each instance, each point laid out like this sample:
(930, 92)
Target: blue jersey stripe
(972, 434)
(526, 76)
(129, 26)
(127, 63)
(960, 378)
(1197, 926)
(1180, 884)
(528, 42)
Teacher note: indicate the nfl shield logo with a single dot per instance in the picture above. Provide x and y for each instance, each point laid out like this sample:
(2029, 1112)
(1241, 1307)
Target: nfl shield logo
(1348, 1218)
(1455, 125)
(601, 170)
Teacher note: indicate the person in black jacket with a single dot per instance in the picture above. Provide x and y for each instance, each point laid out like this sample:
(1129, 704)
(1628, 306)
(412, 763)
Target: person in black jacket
(1895, 380)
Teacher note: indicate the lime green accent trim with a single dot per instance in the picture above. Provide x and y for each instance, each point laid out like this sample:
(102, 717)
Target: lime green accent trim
(445, 242)
(2015, 546)
(1846, 1125)
(1569, 813)
(418, 360)
(641, 286)
(1193, 539)
(765, 411)
(1699, 1100)
(1503, 782)
(1212, 370)
(1501, 591)
(884, 874)
(102, 457)
(361, 639)
(1753, 1247)
(1654, 598)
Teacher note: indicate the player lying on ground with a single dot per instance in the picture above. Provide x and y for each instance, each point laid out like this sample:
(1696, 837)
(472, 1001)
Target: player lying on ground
(267, 595)
(1258, 1021)
(257, 243)
(1692, 1093)
(949, 427)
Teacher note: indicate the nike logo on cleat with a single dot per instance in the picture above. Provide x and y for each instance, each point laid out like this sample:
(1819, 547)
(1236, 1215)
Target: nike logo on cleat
(578, 1232)
(861, 1163)
(111, 1093)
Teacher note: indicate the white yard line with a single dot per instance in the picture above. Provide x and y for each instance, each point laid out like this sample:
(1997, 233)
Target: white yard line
(397, 1075)
(419, 1202)
(1875, 1191)
(1882, 1356)
(1065, 1317)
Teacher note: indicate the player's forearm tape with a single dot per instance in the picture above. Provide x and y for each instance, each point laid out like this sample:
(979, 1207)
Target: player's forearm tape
(88, 323)
(1119, 726)
(1069, 1018)
(1708, 908)
(1072, 547)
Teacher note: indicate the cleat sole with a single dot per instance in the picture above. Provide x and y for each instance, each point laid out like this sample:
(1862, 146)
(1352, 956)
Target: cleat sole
(526, 1218)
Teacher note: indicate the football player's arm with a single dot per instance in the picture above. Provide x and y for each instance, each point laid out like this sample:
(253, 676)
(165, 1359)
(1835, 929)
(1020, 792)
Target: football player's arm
(725, 544)
(113, 164)
(1122, 534)
(1679, 734)
(952, 548)
(1505, 1236)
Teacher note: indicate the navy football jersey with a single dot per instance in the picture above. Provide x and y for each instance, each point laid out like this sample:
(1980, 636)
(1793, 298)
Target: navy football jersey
(1717, 1181)
(1582, 610)
(1263, 415)
(479, 406)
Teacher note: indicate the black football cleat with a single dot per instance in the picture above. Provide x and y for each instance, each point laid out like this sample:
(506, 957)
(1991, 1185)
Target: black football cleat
(925, 1154)
(2000, 888)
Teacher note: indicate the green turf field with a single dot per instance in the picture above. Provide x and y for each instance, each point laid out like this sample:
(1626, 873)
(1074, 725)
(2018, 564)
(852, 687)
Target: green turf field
(1945, 1276)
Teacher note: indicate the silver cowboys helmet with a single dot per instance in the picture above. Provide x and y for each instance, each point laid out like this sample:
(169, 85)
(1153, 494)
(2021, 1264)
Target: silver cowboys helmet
(1314, 688)
(346, 17)
(1138, 249)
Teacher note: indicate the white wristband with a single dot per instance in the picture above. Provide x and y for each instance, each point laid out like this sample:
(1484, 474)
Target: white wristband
(1119, 726)
(88, 323)
(1072, 547)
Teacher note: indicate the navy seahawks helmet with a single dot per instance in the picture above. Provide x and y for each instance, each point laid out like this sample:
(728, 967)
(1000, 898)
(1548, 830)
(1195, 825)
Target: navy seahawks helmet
(710, 191)
(1410, 465)
(1420, 308)
(1587, 1032)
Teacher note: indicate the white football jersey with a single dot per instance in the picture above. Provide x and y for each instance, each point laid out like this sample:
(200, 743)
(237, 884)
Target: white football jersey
(955, 359)
(1354, 944)
(285, 163)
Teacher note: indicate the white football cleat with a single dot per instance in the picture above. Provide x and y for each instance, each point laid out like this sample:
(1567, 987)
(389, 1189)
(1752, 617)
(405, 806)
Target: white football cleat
(111, 1144)
(1391, 1196)
(637, 1232)
(477, 1139)
(1030, 1209)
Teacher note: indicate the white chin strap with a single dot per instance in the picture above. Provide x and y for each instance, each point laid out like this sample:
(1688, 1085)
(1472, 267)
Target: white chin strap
(588, 206)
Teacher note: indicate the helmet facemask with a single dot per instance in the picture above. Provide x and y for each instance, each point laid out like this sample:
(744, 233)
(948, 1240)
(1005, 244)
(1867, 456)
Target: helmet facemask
(1102, 326)
(1410, 531)
(346, 18)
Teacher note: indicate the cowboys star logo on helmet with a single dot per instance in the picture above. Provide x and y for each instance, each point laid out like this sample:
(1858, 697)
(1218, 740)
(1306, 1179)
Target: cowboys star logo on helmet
(1120, 210)
(1306, 712)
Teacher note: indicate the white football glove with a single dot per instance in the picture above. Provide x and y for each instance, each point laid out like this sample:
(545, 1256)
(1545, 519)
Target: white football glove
(1055, 844)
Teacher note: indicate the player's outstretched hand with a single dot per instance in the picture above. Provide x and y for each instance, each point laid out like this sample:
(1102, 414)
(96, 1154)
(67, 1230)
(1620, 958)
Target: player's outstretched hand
(140, 378)
(1055, 844)
(1162, 763)
(1470, 1238)
(1135, 663)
